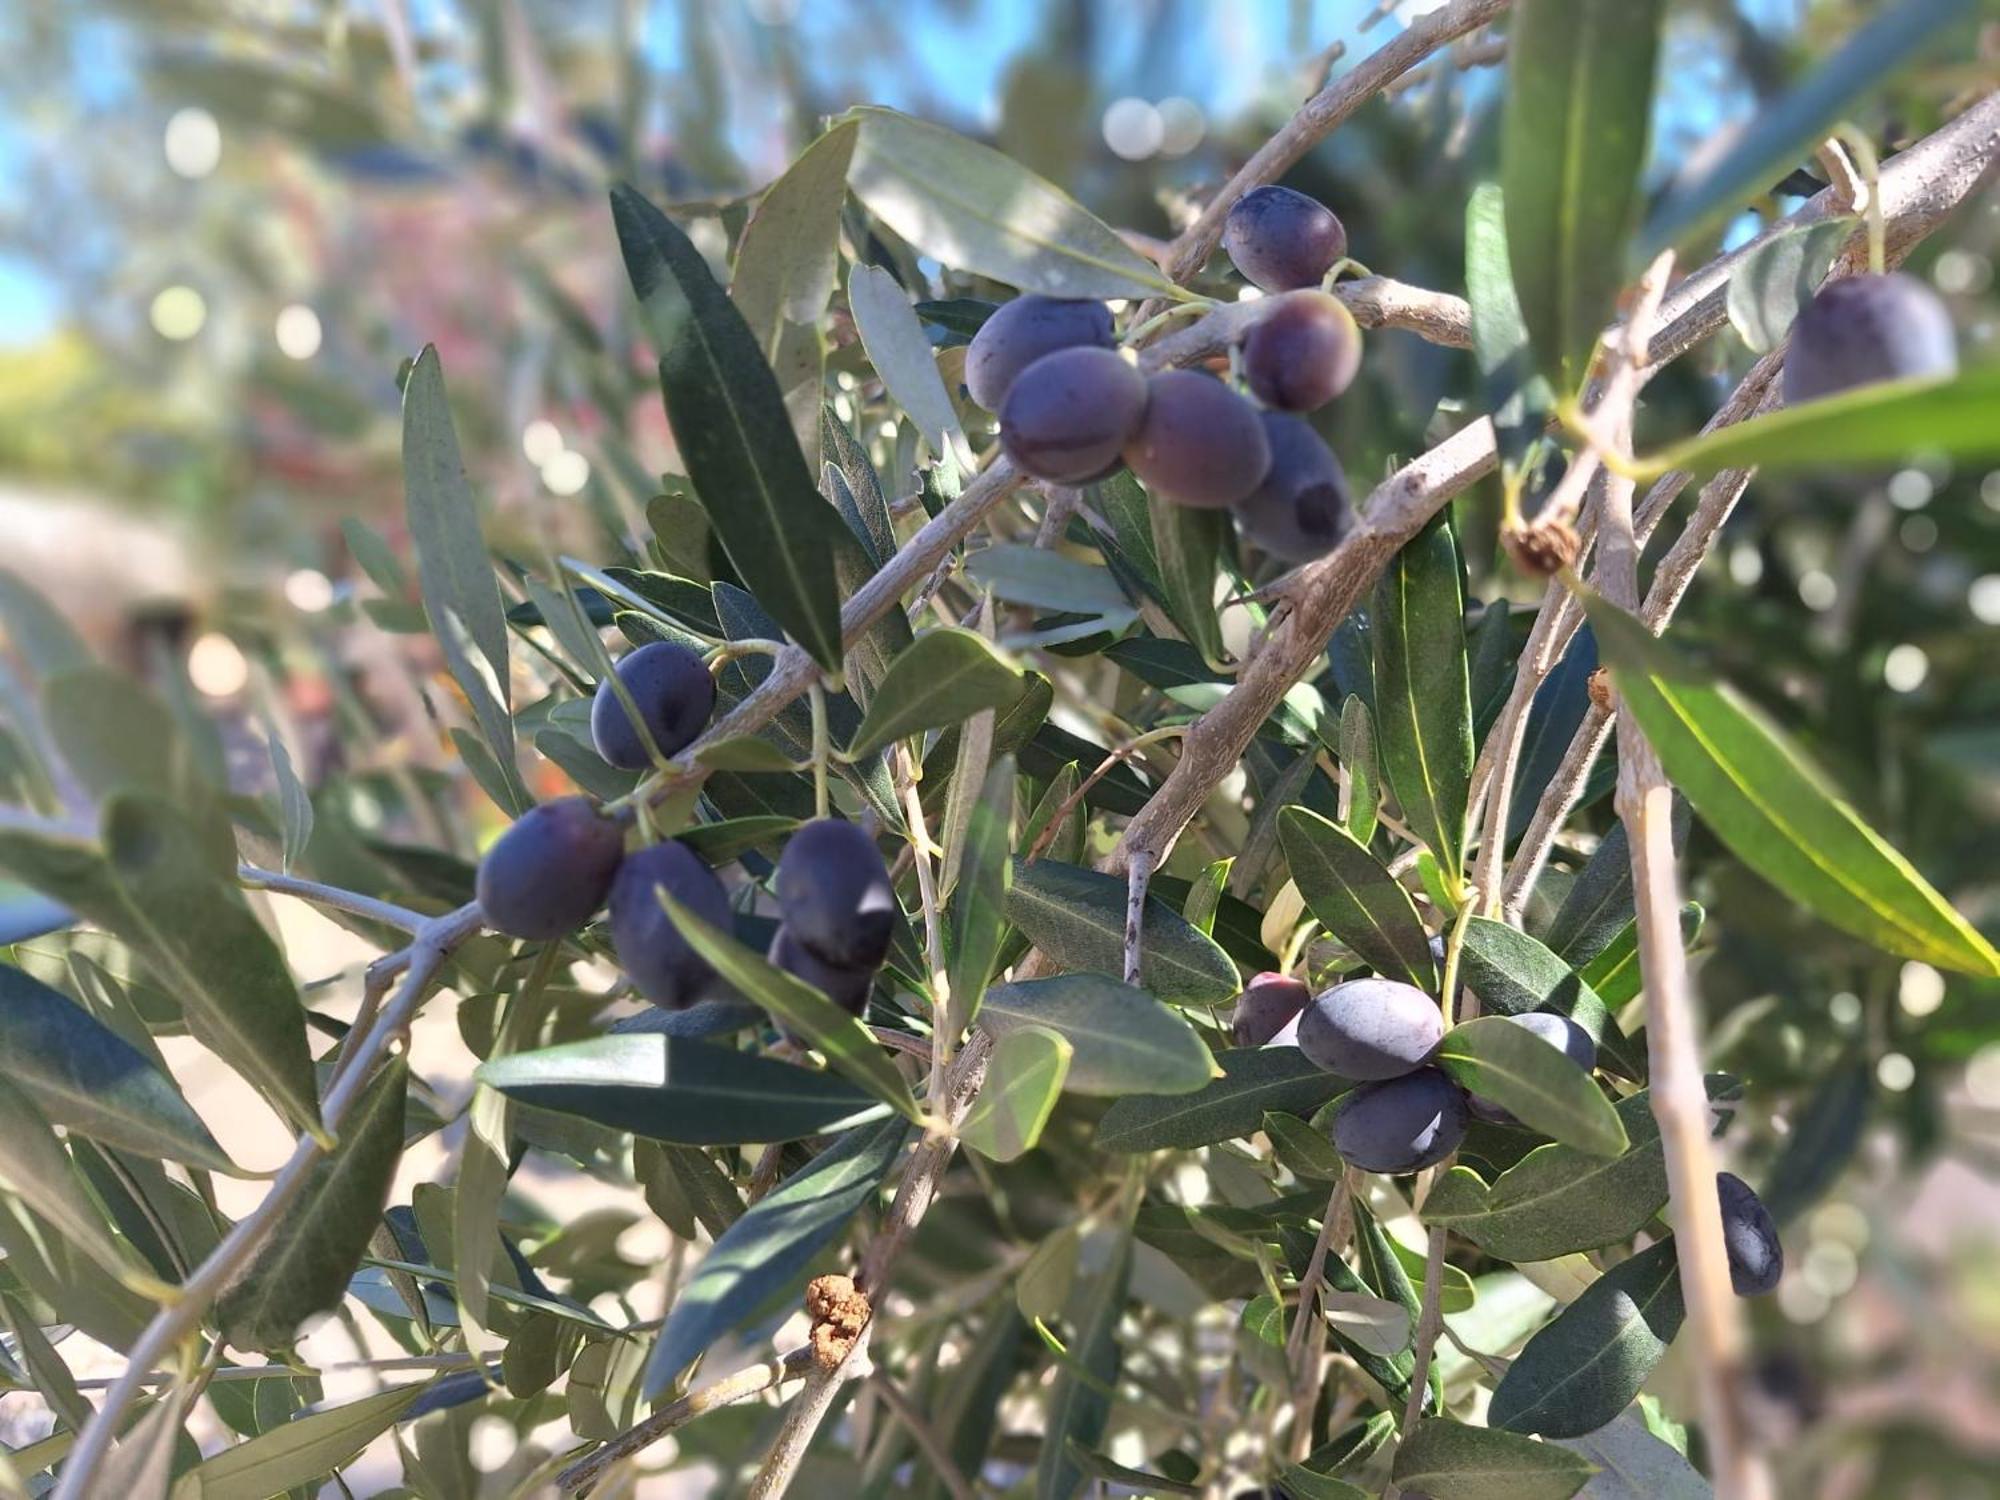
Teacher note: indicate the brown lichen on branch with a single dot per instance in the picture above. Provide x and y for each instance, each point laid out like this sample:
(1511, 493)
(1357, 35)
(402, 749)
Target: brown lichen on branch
(1598, 685)
(839, 1311)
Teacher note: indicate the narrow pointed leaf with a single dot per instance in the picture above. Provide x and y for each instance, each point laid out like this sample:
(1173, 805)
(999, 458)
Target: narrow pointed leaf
(35, 1169)
(204, 944)
(787, 261)
(1512, 972)
(460, 594)
(1534, 1081)
(900, 353)
(734, 433)
(37, 630)
(978, 912)
(1124, 1041)
(1777, 812)
(303, 1269)
(1077, 917)
(772, 1243)
(845, 1041)
(686, 1092)
(1452, 1461)
(943, 678)
(1584, 1367)
(1518, 397)
(1023, 1081)
(1364, 773)
(968, 206)
(1423, 705)
(1254, 1082)
(1080, 1402)
(1188, 542)
(1355, 897)
(90, 1080)
(1557, 1199)
(306, 1448)
(1572, 143)
(1949, 416)
(1634, 1464)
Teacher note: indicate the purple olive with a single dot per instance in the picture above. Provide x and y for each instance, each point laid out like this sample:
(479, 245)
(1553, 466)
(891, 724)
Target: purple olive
(674, 694)
(1200, 444)
(1371, 1029)
(835, 894)
(1303, 354)
(1281, 239)
(1861, 329)
(1068, 415)
(545, 875)
(1401, 1125)
(1268, 1004)
(662, 964)
(848, 988)
(1302, 510)
(1021, 332)
(1749, 1238)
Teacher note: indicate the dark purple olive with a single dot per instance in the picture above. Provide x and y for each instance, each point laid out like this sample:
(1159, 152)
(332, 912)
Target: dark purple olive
(1021, 332)
(1371, 1029)
(674, 694)
(1302, 509)
(661, 963)
(1268, 1004)
(1200, 444)
(545, 875)
(835, 894)
(1068, 415)
(1402, 1125)
(1282, 240)
(1559, 1032)
(1303, 354)
(1750, 1239)
(845, 987)
(1861, 329)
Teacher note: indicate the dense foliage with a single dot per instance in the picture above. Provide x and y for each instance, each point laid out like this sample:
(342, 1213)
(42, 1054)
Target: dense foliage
(1119, 952)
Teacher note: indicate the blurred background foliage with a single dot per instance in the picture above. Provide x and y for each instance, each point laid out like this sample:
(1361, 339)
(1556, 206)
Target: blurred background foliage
(223, 224)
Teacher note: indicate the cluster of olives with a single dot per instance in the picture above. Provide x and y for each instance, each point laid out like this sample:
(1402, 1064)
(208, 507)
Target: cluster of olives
(1406, 1114)
(1072, 408)
(549, 873)
(1862, 329)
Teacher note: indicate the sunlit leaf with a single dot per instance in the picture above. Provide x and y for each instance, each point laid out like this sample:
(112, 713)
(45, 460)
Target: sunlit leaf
(1023, 1081)
(1123, 1040)
(1774, 810)
(973, 208)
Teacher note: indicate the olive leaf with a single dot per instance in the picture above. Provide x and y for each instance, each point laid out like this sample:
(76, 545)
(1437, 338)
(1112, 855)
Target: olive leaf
(1761, 796)
(735, 435)
(971, 207)
(772, 1243)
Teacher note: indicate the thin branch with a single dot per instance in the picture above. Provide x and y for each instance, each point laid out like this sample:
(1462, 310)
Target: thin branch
(420, 963)
(352, 902)
(942, 1466)
(952, 1098)
(745, 1383)
(1680, 1099)
(1430, 1319)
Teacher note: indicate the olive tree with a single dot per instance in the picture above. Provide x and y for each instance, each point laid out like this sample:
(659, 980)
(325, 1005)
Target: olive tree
(1058, 884)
